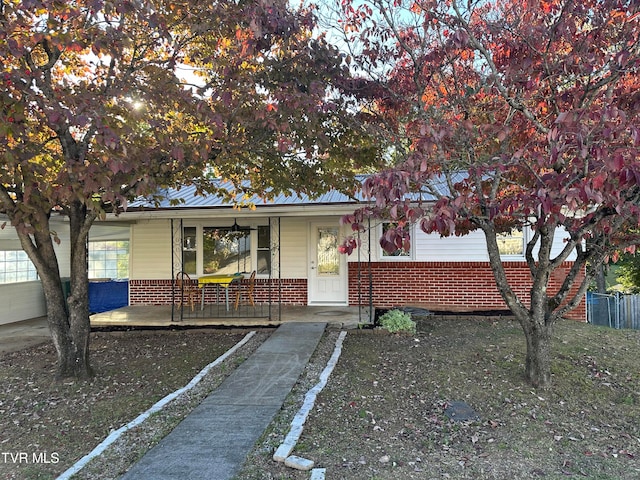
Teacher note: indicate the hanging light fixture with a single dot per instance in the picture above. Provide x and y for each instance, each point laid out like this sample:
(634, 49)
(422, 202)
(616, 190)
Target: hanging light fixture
(235, 228)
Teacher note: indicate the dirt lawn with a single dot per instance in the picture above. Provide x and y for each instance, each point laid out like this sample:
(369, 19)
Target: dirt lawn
(47, 426)
(381, 416)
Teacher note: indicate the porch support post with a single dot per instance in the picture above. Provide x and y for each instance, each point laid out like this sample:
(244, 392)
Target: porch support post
(359, 279)
(371, 315)
(279, 272)
(371, 312)
(275, 254)
(176, 263)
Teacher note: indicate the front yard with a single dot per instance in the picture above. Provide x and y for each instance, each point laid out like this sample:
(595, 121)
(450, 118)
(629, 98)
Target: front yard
(381, 416)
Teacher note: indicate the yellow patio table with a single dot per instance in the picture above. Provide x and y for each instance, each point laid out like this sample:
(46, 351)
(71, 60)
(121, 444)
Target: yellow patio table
(219, 280)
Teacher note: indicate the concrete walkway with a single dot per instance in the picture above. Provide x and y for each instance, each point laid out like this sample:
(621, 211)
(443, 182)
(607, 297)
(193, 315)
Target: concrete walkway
(26, 333)
(213, 441)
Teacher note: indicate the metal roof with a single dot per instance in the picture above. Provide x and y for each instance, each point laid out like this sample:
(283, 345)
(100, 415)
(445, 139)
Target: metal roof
(187, 197)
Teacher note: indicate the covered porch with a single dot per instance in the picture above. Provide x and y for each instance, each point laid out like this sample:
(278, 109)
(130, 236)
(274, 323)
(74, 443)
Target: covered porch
(158, 316)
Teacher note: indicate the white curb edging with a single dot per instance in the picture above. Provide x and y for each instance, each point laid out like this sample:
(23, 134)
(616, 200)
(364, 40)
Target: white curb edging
(318, 473)
(299, 463)
(286, 447)
(113, 436)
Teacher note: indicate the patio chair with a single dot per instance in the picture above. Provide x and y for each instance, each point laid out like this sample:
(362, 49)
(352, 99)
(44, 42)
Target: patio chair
(250, 286)
(187, 290)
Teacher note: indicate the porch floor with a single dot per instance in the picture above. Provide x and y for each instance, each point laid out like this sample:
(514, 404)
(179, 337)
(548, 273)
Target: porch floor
(160, 316)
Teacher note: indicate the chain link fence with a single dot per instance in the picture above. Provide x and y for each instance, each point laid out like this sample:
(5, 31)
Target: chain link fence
(614, 310)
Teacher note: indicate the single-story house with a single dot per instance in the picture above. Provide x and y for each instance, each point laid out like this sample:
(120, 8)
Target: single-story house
(293, 241)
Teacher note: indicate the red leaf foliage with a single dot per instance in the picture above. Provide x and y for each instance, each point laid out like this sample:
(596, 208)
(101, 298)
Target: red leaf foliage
(508, 114)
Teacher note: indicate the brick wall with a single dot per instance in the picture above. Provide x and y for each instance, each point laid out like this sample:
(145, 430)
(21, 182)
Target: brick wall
(158, 292)
(460, 286)
(150, 292)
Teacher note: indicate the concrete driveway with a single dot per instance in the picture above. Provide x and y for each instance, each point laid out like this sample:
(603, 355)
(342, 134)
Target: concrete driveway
(18, 335)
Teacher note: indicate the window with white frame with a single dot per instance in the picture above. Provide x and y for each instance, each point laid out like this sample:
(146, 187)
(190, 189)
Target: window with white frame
(109, 259)
(15, 266)
(511, 243)
(226, 250)
(399, 253)
(263, 250)
(189, 249)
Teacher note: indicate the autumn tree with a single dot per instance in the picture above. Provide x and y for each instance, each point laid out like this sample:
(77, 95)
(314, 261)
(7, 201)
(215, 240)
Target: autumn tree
(102, 102)
(274, 91)
(506, 115)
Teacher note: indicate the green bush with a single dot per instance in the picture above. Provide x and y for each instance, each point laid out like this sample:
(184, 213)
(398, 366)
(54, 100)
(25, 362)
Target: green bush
(397, 321)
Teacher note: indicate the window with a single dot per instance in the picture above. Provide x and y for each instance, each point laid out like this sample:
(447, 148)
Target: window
(224, 250)
(15, 266)
(511, 243)
(189, 251)
(401, 252)
(328, 258)
(109, 259)
(263, 252)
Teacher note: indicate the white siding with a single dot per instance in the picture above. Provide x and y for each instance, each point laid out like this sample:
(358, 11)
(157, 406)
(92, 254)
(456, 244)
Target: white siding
(150, 247)
(468, 248)
(25, 300)
(428, 247)
(10, 244)
(434, 248)
(63, 253)
(21, 301)
(150, 250)
(559, 243)
(294, 247)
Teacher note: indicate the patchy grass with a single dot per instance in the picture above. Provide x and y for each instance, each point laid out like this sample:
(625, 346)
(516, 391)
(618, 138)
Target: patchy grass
(381, 416)
(382, 413)
(47, 426)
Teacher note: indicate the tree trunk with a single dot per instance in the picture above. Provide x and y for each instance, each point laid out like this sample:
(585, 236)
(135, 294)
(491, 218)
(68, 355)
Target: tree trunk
(73, 347)
(76, 361)
(601, 279)
(58, 320)
(536, 320)
(538, 336)
(73, 360)
(69, 325)
(68, 318)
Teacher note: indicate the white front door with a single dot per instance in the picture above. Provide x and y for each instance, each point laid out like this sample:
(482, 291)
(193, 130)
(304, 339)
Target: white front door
(327, 268)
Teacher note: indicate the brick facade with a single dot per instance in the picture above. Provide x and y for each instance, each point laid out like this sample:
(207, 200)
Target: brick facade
(158, 292)
(445, 286)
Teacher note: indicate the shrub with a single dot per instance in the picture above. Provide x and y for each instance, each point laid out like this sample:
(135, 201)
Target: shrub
(397, 321)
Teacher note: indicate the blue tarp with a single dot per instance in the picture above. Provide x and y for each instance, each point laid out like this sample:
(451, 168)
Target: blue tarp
(105, 296)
